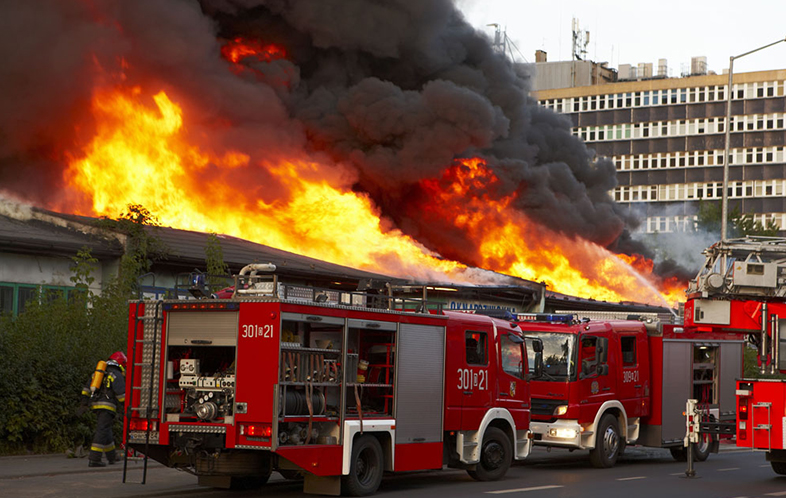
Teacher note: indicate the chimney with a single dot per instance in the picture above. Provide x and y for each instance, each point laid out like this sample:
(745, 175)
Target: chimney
(540, 56)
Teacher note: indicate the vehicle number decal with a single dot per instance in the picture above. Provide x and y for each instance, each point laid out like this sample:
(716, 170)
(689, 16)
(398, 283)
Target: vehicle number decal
(630, 376)
(473, 379)
(263, 331)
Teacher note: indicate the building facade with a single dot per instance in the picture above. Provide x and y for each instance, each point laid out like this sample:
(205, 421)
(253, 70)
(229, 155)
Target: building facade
(666, 137)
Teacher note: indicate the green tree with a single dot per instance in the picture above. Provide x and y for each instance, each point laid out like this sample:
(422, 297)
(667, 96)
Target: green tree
(740, 225)
(214, 261)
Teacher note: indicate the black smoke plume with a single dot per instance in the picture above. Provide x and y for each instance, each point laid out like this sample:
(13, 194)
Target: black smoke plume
(394, 89)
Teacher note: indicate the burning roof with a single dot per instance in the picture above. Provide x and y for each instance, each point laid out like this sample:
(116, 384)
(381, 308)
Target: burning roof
(387, 136)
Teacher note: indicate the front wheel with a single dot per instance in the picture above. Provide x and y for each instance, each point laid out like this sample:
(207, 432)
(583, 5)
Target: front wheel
(496, 454)
(607, 444)
(366, 467)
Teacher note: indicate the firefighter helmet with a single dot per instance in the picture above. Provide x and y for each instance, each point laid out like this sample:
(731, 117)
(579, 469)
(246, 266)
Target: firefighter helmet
(119, 357)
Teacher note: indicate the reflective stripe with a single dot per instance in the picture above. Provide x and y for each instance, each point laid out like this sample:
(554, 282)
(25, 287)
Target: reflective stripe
(121, 399)
(85, 392)
(103, 405)
(103, 448)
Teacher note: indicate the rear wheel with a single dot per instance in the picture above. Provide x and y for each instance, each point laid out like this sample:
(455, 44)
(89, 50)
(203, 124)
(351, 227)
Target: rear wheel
(779, 467)
(496, 454)
(607, 444)
(366, 467)
(701, 450)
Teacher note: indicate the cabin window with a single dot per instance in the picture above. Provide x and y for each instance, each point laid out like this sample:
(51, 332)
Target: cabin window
(512, 359)
(628, 345)
(476, 348)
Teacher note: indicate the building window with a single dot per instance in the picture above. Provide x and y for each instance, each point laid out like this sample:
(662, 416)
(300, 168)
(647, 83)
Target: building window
(6, 299)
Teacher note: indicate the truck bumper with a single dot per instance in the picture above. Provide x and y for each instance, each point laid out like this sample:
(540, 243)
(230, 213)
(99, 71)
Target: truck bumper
(563, 433)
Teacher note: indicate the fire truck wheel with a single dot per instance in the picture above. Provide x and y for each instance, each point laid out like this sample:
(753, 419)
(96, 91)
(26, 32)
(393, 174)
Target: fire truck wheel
(366, 467)
(779, 467)
(607, 444)
(495, 456)
(701, 450)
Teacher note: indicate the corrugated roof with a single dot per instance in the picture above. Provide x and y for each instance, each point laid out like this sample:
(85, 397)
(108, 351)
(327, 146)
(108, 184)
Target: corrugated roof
(187, 248)
(34, 236)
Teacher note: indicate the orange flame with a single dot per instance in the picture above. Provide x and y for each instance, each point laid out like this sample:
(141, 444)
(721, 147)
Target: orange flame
(239, 48)
(139, 155)
(512, 244)
(142, 155)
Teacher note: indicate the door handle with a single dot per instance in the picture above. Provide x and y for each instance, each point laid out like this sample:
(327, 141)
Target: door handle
(637, 386)
(468, 392)
(606, 389)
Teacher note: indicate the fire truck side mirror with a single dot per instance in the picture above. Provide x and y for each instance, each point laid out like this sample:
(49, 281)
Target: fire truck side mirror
(538, 369)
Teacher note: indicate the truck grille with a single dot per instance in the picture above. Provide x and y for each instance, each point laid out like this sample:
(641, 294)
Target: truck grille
(545, 407)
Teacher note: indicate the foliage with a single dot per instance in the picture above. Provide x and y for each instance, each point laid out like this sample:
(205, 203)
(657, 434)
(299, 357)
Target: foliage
(50, 350)
(751, 369)
(216, 267)
(709, 220)
(142, 247)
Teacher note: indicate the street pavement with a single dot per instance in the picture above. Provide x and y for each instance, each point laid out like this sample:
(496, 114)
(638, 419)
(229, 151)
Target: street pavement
(57, 475)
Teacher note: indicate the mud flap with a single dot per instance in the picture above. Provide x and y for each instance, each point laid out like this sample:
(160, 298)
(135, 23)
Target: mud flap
(318, 485)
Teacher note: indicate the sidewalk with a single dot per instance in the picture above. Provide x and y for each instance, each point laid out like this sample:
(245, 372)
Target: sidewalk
(20, 467)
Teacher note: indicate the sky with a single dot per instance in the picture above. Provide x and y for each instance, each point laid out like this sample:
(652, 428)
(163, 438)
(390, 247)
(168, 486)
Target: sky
(632, 32)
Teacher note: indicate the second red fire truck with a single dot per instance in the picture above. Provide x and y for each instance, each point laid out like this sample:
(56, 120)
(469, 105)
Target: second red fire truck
(610, 383)
(331, 387)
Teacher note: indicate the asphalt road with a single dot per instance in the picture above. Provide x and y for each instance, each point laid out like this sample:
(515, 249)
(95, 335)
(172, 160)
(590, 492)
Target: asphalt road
(641, 473)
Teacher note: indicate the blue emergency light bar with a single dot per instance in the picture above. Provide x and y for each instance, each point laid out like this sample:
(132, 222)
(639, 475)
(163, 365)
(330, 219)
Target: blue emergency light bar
(546, 317)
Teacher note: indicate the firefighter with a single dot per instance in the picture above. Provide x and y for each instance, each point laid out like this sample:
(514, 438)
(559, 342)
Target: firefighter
(104, 399)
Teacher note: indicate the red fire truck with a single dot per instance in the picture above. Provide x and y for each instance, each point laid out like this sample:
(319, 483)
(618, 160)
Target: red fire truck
(741, 289)
(608, 383)
(329, 386)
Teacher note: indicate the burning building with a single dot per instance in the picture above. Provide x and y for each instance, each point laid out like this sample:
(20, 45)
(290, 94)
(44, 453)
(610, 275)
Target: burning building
(379, 135)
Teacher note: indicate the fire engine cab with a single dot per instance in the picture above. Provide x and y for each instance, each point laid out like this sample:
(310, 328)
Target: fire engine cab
(327, 386)
(609, 383)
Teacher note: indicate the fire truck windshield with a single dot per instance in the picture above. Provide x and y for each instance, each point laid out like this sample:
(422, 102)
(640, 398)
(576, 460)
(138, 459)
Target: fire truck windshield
(558, 356)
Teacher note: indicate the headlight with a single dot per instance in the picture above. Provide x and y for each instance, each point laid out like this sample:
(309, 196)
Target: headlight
(561, 410)
(563, 433)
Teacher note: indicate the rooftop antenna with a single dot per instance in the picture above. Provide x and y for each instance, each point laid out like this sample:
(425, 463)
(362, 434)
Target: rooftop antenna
(504, 45)
(580, 41)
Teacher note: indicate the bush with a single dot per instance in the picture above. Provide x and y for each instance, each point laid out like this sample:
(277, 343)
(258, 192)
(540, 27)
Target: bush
(49, 353)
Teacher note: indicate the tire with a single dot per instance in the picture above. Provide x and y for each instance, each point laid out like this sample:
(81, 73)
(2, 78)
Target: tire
(366, 468)
(779, 467)
(679, 453)
(607, 443)
(701, 450)
(496, 455)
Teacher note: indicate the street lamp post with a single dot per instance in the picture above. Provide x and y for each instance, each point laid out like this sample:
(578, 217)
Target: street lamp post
(725, 196)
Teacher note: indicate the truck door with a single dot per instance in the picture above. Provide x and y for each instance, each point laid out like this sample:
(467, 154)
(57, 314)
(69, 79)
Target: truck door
(634, 377)
(512, 388)
(472, 377)
(597, 375)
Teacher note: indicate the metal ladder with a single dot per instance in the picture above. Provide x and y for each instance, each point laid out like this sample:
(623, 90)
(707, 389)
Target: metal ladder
(761, 427)
(143, 398)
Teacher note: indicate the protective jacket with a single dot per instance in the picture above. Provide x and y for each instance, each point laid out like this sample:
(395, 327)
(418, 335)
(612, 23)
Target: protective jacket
(112, 391)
